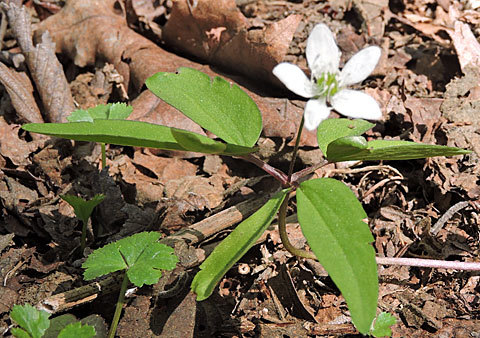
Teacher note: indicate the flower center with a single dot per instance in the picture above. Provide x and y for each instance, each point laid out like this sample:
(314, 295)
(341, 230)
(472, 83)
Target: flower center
(327, 84)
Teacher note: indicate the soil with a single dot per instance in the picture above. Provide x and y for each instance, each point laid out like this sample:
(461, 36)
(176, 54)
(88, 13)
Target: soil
(427, 83)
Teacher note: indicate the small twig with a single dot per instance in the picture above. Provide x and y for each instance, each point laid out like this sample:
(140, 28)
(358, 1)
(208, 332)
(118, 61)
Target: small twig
(429, 263)
(446, 216)
(307, 171)
(381, 183)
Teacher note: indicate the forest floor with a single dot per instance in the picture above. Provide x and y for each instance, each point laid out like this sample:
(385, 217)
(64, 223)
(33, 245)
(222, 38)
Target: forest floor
(427, 83)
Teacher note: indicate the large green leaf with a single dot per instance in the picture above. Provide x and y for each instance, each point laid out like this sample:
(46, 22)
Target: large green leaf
(216, 105)
(331, 129)
(357, 148)
(137, 134)
(331, 220)
(232, 248)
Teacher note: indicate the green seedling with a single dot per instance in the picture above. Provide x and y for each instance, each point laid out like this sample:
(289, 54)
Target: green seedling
(34, 324)
(111, 111)
(83, 209)
(328, 212)
(382, 324)
(142, 258)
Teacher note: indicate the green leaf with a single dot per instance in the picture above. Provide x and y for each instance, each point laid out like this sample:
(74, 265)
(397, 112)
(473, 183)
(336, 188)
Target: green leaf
(141, 255)
(82, 208)
(33, 321)
(357, 148)
(216, 105)
(20, 333)
(331, 129)
(331, 220)
(111, 111)
(232, 248)
(382, 325)
(77, 330)
(58, 323)
(136, 134)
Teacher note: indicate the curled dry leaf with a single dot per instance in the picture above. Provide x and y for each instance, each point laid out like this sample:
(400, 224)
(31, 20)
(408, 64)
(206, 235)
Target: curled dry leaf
(85, 36)
(43, 64)
(20, 90)
(217, 32)
(466, 45)
(11, 146)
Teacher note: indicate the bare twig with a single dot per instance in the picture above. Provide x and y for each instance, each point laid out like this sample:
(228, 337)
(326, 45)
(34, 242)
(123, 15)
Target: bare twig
(429, 263)
(446, 216)
(47, 72)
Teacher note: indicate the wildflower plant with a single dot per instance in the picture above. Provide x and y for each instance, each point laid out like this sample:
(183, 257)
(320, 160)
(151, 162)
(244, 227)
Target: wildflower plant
(327, 84)
(330, 216)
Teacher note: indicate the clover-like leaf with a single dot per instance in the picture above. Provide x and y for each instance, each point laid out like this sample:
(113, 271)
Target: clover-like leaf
(216, 105)
(137, 134)
(331, 220)
(111, 111)
(383, 322)
(77, 330)
(83, 208)
(331, 129)
(33, 322)
(140, 255)
(234, 246)
(357, 148)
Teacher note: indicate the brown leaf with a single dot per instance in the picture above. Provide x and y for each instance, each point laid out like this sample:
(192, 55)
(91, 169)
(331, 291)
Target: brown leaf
(11, 146)
(20, 90)
(43, 64)
(217, 32)
(466, 45)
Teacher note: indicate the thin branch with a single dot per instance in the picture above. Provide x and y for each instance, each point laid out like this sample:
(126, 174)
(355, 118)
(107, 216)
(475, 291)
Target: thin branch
(429, 263)
(450, 212)
(302, 173)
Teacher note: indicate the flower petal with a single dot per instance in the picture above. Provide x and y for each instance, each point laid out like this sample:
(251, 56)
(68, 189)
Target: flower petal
(315, 112)
(353, 103)
(323, 55)
(294, 79)
(360, 66)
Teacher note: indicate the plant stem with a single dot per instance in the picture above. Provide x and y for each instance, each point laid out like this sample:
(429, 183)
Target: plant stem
(118, 307)
(276, 173)
(295, 149)
(282, 229)
(104, 156)
(83, 240)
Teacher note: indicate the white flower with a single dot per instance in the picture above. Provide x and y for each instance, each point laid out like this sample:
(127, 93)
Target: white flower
(327, 83)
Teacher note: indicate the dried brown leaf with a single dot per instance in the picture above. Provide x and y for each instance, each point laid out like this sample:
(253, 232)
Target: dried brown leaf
(20, 90)
(46, 70)
(217, 32)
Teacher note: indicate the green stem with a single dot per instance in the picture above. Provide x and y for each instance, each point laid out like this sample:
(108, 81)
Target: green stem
(282, 228)
(295, 150)
(119, 307)
(83, 240)
(104, 156)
